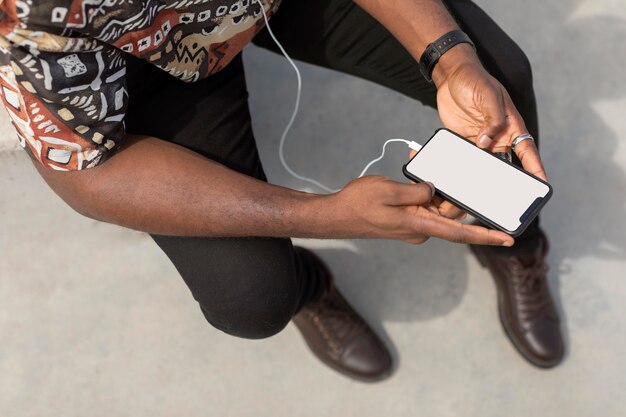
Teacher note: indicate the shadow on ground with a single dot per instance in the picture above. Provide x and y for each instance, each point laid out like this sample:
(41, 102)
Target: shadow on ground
(579, 85)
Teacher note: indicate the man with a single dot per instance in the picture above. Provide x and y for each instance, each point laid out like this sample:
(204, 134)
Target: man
(136, 114)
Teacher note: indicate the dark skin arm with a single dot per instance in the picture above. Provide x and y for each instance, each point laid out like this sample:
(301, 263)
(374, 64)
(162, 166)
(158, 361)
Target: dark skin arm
(159, 187)
(469, 100)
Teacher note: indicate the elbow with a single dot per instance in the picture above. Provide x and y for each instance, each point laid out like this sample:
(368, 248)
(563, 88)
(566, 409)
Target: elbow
(75, 188)
(83, 209)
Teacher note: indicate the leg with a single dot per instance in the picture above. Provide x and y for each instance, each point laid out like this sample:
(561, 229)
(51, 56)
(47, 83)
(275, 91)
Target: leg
(338, 34)
(246, 287)
(250, 287)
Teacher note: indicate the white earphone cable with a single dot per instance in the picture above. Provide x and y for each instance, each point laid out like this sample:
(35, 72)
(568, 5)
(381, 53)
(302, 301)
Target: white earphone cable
(372, 162)
(281, 145)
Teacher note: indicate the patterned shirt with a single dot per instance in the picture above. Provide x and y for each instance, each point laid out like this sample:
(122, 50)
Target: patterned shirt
(62, 65)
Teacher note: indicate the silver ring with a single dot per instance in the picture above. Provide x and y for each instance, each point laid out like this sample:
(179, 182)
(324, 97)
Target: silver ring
(521, 138)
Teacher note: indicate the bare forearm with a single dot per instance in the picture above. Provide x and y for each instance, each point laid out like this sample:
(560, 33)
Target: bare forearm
(415, 24)
(470, 101)
(158, 187)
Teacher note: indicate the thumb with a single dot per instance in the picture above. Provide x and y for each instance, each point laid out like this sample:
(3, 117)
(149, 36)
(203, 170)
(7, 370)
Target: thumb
(494, 116)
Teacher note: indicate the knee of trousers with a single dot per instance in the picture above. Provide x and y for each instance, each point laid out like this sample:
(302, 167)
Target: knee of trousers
(257, 319)
(258, 312)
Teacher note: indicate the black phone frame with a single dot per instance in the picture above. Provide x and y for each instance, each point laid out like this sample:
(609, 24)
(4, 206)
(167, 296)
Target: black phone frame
(529, 217)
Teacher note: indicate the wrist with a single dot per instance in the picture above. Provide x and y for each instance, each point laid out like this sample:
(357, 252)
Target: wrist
(460, 55)
(315, 216)
(330, 217)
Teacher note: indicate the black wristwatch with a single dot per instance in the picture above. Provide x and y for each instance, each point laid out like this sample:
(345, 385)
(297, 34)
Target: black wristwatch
(434, 51)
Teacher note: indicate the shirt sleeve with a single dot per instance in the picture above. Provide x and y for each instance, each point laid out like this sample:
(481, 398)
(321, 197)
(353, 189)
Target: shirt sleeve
(65, 96)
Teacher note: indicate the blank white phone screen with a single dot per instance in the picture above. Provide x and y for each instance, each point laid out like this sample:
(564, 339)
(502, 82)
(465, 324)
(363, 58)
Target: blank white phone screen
(476, 179)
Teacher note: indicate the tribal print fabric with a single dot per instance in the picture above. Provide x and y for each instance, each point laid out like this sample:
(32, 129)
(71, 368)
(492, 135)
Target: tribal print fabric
(62, 64)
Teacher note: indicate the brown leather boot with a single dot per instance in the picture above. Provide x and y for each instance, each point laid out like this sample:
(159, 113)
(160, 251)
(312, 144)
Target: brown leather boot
(526, 308)
(339, 337)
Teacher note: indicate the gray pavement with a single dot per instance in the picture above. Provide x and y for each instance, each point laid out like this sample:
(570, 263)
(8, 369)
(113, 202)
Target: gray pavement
(94, 320)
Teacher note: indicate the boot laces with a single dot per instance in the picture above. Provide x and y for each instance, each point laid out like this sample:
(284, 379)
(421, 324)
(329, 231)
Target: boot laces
(337, 323)
(531, 285)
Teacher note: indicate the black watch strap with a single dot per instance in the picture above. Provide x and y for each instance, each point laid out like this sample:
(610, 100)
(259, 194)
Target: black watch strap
(434, 51)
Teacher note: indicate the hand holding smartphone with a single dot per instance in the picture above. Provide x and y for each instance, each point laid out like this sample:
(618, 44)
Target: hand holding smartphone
(492, 190)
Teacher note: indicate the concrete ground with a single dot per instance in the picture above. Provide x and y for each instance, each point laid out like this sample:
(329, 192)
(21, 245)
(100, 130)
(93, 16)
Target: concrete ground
(94, 320)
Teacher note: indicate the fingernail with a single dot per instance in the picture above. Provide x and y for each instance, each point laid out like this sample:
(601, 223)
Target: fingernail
(484, 141)
(432, 188)
(508, 243)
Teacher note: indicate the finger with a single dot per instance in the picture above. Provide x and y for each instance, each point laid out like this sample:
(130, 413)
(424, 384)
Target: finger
(417, 240)
(454, 231)
(449, 210)
(411, 155)
(515, 127)
(528, 155)
(526, 151)
(410, 194)
(433, 208)
(494, 116)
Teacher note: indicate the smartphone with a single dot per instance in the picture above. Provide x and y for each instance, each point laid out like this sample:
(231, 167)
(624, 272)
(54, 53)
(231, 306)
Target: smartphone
(494, 191)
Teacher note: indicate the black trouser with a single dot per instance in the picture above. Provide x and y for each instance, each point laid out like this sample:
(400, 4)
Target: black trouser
(251, 287)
